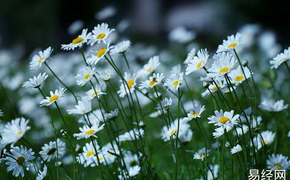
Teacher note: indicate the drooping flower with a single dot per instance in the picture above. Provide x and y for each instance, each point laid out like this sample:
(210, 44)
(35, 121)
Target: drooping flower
(120, 47)
(83, 107)
(236, 149)
(201, 154)
(271, 106)
(36, 81)
(195, 113)
(41, 174)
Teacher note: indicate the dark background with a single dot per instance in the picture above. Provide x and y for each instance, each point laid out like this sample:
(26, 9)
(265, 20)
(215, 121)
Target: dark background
(42, 23)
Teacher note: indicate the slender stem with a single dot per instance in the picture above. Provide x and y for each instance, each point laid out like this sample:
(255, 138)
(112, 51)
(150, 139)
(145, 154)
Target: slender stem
(61, 82)
(124, 55)
(287, 66)
(9, 102)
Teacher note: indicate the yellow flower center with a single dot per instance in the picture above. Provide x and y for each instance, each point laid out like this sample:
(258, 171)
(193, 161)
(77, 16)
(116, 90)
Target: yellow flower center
(101, 36)
(224, 119)
(87, 76)
(154, 80)
(100, 158)
(77, 40)
(224, 70)
(101, 52)
(233, 45)
(199, 64)
(41, 59)
(149, 69)
(194, 114)
(277, 166)
(20, 132)
(94, 94)
(175, 83)
(90, 132)
(239, 78)
(214, 88)
(172, 132)
(264, 142)
(53, 98)
(90, 153)
(130, 83)
(166, 106)
(201, 155)
(20, 160)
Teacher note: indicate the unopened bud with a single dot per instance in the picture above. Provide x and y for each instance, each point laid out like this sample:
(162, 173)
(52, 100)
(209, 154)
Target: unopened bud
(205, 85)
(245, 63)
(59, 164)
(63, 133)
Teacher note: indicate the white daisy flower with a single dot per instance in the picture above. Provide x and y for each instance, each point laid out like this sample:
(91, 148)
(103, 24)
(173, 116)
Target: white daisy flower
(213, 87)
(213, 169)
(132, 135)
(219, 132)
(14, 130)
(195, 113)
(54, 97)
(151, 66)
(201, 154)
(174, 81)
(38, 60)
(232, 42)
(223, 64)
(120, 47)
(106, 75)
(111, 115)
(166, 103)
(197, 62)
(100, 33)
(266, 139)
(87, 156)
(130, 87)
(237, 75)
(278, 162)
(181, 35)
(171, 131)
(83, 107)
(279, 59)
(190, 56)
(18, 160)
(87, 131)
(36, 81)
(41, 174)
(133, 171)
(77, 42)
(153, 81)
(244, 129)
(95, 92)
(109, 152)
(226, 119)
(130, 159)
(49, 151)
(271, 106)
(236, 149)
(85, 75)
(98, 52)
